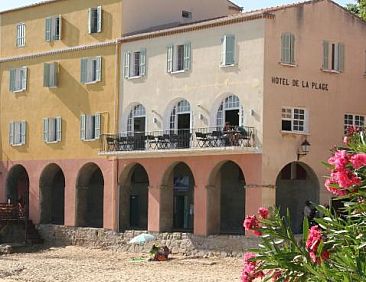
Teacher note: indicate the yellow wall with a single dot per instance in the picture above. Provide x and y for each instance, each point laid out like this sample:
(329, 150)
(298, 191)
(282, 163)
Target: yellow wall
(74, 25)
(69, 101)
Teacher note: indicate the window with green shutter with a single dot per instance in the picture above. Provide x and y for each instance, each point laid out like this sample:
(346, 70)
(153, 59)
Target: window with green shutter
(90, 127)
(50, 74)
(333, 56)
(20, 32)
(287, 48)
(91, 70)
(52, 130)
(95, 19)
(53, 26)
(228, 50)
(17, 133)
(179, 58)
(18, 79)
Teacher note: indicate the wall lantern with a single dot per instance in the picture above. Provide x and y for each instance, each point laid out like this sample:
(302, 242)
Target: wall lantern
(304, 149)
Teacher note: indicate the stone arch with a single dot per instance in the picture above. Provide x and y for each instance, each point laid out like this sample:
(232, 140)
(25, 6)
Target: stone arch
(17, 187)
(226, 199)
(127, 113)
(295, 184)
(177, 198)
(52, 195)
(170, 108)
(133, 198)
(89, 196)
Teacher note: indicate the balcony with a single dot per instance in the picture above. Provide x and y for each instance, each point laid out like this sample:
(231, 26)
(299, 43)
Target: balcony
(186, 141)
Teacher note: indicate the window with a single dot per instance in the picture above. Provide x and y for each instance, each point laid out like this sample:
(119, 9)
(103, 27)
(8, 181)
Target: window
(186, 14)
(53, 28)
(18, 79)
(228, 50)
(90, 127)
(294, 120)
(20, 42)
(95, 20)
(135, 64)
(350, 120)
(91, 70)
(333, 56)
(50, 72)
(17, 133)
(179, 58)
(288, 48)
(52, 130)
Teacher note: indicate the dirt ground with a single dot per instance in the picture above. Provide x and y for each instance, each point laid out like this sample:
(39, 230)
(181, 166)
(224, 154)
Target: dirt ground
(81, 264)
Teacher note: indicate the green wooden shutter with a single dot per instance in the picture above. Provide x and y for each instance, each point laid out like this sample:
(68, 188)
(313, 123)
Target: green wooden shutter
(223, 51)
(54, 74)
(11, 133)
(12, 76)
(292, 48)
(82, 127)
(142, 62)
(45, 129)
(48, 29)
(24, 78)
(187, 56)
(58, 129)
(97, 126)
(283, 48)
(46, 75)
(230, 50)
(23, 126)
(83, 70)
(325, 55)
(170, 59)
(127, 63)
(98, 71)
(99, 18)
(90, 16)
(340, 47)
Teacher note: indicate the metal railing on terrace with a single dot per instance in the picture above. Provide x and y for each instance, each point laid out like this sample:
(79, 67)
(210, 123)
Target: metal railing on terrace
(194, 138)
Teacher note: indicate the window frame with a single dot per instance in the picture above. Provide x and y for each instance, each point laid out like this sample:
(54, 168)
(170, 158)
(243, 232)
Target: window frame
(288, 49)
(224, 51)
(129, 66)
(95, 20)
(22, 128)
(86, 74)
(57, 123)
(85, 125)
(20, 35)
(15, 73)
(345, 126)
(53, 28)
(50, 74)
(333, 57)
(172, 58)
(305, 120)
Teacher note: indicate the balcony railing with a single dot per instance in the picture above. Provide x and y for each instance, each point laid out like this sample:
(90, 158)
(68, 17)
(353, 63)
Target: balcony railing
(197, 138)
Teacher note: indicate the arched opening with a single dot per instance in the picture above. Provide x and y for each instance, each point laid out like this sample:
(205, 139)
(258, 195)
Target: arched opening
(180, 123)
(177, 199)
(17, 187)
(52, 195)
(296, 184)
(134, 193)
(229, 112)
(89, 197)
(136, 126)
(226, 199)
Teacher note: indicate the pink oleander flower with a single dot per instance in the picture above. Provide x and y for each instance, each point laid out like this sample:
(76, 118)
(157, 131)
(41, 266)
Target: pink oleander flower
(263, 212)
(250, 271)
(340, 159)
(334, 189)
(345, 178)
(276, 275)
(312, 244)
(358, 160)
(251, 222)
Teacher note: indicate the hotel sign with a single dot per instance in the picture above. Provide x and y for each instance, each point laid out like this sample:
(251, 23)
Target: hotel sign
(316, 85)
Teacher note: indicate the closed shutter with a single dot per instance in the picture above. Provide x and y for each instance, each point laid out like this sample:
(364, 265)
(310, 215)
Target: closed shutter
(24, 78)
(325, 55)
(127, 63)
(292, 49)
(340, 47)
(230, 50)
(82, 127)
(12, 75)
(286, 48)
(283, 48)
(98, 71)
(170, 59)
(142, 70)
(58, 129)
(187, 56)
(97, 125)
(23, 132)
(54, 74)
(11, 133)
(48, 29)
(46, 75)
(45, 130)
(99, 18)
(90, 18)
(83, 70)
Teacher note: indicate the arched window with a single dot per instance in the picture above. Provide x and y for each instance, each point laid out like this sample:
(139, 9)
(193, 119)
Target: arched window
(136, 119)
(230, 111)
(183, 109)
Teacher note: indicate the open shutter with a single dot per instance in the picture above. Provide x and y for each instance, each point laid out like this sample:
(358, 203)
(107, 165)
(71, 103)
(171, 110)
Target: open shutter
(170, 59)
(45, 129)
(24, 78)
(46, 75)
(48, 29)
(187, 56)
(82, 127)
(23, 131)
(11, 133)
(59, 27)
(99, 18)
(292, 48)
(126, 66)
(90, 18)
(97, 126)
(54, 75)
(58, 129)
(98, 71)
(283, 48)
(230, 50)
(83, 70)
(142, 62)
(12, 74)
(223, 51)
(325, 55)
(340, 47)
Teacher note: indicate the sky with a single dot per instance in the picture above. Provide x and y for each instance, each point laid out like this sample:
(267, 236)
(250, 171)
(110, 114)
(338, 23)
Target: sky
(247, 4)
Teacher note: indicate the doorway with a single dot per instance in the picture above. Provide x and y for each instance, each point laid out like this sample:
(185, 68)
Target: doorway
(184, 123)
(139, 132)
(232, 117)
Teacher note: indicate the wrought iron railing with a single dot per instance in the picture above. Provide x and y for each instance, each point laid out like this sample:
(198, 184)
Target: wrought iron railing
(197, 138)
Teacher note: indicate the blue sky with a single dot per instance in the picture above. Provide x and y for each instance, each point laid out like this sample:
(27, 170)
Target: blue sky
(247, 4)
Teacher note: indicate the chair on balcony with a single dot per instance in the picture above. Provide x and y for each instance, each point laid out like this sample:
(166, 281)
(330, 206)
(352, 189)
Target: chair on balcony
(217, 138)
(202, 139)
(112, 144)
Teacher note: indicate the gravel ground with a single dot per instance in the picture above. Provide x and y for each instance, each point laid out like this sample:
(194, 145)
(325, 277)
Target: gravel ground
(73, 263)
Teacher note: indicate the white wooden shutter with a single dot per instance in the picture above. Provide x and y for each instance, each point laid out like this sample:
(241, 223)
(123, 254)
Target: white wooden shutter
(48, 29)
(11, 133)
(340, 47)
(82, 127)
(230, 50)
(99, 18)
(83, 70)
(283, 48)
(98, 71)
(97, 125)
(12, 76)
(24, 78)
(23, 132)
(45, 129)
(90, 16)
(46, 75)
(325, 55)
(223, 51)
(58, 129)
(127, 63)
(292, 48)
(187, 56)
(170, 59)
(142, 62)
